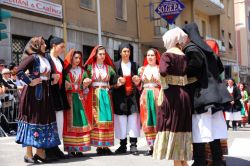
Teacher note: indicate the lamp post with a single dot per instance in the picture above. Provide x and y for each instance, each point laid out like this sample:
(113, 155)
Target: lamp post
(99, 23)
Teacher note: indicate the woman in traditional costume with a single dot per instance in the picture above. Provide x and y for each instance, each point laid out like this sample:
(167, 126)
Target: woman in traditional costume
(174, 116)
(56, 47)
(76, 128)
(37, 121)
(244, 100)
(150, 84)
(101, 72)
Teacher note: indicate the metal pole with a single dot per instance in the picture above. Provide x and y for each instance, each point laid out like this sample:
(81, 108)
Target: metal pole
(99, 23)
(64, 25)
(237, 49)
(237, 57)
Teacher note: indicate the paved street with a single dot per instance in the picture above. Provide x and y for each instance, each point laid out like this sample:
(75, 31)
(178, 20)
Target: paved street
(11, 154)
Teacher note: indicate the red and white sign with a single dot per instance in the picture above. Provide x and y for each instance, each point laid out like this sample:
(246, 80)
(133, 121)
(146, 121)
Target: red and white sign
(38, 6)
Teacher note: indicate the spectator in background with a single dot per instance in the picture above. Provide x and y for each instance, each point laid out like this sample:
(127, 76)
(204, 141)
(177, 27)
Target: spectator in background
(12, 67)
(234, 112)
(7, 99)
(2, 66)
(6, 76)
(244, 100)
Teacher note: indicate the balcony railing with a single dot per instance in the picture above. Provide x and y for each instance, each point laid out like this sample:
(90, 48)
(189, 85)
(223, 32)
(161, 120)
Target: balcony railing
(210, 7)
(218, 3)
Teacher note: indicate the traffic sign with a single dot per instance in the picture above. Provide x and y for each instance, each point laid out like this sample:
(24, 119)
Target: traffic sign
(3, 15)
(169, 10)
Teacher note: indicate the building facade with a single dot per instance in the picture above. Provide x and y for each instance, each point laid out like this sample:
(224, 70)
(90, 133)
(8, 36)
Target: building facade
(133, 21)
(242, 28)
(79, 18)
(215, 19)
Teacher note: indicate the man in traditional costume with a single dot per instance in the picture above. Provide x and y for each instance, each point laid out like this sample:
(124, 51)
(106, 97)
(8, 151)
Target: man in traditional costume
(126, 102)
(208, 124)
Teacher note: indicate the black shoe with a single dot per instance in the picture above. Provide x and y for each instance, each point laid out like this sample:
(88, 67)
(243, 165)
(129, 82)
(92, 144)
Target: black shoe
(218, 163)
(38, 158)
(134, 151)
(107, 151)
(224, 163)
(148, 153)
(100, 151)
(76, 154)
(121, 150)
(198, 164)
(29, 160)
(59, 154)
(51, 154)
(79, 154)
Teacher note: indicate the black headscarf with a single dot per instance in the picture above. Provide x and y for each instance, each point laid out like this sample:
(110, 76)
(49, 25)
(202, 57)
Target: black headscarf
(53, 40)
(129, 46)
(193, 33)
(124, 45)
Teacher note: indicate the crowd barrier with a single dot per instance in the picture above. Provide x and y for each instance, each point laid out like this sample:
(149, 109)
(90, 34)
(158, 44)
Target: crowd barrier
(9, 112)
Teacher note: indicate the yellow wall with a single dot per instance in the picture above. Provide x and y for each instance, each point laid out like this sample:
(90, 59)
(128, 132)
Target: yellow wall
(82, 17)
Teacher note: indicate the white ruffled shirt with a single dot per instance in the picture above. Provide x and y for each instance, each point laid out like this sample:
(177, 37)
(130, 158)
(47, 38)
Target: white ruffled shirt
(57, 63)
(150, 71)
(126, 68)
(44, 66)
(100, 70)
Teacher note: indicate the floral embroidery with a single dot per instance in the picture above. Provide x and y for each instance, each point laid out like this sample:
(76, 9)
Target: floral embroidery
(36, 135)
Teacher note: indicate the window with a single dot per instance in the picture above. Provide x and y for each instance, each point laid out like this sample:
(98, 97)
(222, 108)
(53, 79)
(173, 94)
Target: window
(88, 4)
(222, 38)
(230, 44)
(249, 20)
(18, 45)
(117, 56)
(86, 51)
(228, 71)
(203, 29)
(121, 9)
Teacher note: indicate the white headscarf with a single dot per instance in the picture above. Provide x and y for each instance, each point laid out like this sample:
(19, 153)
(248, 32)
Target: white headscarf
(174, 36)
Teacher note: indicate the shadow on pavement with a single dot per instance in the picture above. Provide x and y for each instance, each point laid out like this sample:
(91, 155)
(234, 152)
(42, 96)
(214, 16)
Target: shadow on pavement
(234, 161)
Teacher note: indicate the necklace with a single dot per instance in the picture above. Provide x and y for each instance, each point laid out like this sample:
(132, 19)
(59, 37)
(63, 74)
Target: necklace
(75, 74)
(101, 72)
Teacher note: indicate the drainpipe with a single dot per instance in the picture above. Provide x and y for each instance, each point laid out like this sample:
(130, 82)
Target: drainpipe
(138, 31)
(64, 25)
(192, 10)
(99, 23)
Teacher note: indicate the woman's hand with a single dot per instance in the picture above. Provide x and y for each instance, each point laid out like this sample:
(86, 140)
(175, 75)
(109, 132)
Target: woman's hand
(121, 81)
(67, 85)
(136, 80)
(35, 82)
(87, 82)
(232, 102)
(56, 78)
